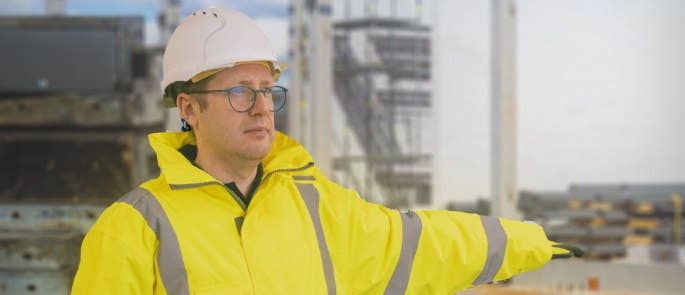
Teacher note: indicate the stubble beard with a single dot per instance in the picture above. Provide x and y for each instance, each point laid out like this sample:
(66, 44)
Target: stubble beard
(256, 151)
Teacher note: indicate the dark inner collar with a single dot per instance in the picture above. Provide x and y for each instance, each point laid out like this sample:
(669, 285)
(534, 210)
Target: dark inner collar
(190, 152)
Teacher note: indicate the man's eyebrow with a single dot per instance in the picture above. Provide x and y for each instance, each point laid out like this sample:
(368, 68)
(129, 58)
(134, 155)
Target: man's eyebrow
(262, 83)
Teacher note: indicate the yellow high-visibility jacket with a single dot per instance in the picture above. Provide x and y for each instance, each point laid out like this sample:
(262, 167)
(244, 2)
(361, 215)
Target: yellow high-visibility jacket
(186, 233)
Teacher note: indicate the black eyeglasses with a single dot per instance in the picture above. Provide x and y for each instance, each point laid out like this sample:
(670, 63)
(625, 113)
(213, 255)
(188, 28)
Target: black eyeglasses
(242, 98)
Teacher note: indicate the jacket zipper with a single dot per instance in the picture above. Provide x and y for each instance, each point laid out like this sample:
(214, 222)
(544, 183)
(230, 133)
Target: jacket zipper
(247, 265)
(236, 198)
(306, 166)
(242, 204)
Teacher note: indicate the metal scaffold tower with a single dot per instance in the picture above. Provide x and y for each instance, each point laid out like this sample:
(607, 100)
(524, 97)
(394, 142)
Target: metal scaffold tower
(381, 72)
(378, 69)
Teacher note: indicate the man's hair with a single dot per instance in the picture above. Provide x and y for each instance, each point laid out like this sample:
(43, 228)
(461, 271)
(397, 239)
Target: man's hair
(179, 87)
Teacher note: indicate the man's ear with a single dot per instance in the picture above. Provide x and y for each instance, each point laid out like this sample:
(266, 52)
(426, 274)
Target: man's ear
(188, 108)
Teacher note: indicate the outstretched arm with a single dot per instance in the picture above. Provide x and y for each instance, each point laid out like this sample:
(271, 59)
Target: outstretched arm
(376, 250)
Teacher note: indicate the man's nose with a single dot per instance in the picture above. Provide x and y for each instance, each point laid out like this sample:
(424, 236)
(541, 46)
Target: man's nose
(260, 106)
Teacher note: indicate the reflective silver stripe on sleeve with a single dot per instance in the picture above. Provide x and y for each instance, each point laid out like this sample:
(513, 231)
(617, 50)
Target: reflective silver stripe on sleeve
(171, 267)
(497, 244)
(311, 199)
(411, 232)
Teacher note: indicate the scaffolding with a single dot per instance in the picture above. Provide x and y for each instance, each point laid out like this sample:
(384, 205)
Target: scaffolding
(371, 136)
(381, 74)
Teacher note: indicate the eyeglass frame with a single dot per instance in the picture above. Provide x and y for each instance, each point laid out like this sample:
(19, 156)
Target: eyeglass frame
(254, 95)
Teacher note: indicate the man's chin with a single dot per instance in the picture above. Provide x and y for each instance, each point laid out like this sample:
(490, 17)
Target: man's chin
(257, 152)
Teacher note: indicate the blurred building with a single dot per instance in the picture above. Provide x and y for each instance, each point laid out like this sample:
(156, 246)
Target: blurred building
(632, 235)
(638, 223)
(612, 221)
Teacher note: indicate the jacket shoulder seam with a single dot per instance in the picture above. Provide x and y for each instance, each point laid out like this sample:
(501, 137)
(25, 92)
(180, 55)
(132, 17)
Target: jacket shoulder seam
(134, 196)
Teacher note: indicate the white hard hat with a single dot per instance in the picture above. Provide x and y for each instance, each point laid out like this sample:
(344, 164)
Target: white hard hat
(211, 39)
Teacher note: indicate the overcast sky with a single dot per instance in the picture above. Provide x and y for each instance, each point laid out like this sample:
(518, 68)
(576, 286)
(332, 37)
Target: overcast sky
(601, 94)
(601, 87)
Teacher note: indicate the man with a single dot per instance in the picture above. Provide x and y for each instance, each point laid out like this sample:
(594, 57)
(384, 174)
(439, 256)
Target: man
(240, 208)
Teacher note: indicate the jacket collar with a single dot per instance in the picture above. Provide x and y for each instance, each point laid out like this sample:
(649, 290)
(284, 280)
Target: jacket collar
(285, 153)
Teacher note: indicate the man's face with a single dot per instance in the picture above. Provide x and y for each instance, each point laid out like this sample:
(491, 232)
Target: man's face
(228, 133)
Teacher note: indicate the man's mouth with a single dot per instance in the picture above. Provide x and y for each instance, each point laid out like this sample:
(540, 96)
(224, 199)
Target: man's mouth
(256, 130)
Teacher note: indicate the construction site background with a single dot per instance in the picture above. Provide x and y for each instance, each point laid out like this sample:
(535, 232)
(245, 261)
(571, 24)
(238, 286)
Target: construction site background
(521, 109)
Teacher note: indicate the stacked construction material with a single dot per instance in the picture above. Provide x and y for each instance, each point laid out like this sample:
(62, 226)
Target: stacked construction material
(77, 100)
(608, 219)
(39, 246)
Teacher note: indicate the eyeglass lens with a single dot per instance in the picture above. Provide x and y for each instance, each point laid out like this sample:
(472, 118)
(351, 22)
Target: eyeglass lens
(242, 98)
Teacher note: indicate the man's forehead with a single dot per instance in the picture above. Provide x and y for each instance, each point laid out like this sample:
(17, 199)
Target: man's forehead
(245, 75)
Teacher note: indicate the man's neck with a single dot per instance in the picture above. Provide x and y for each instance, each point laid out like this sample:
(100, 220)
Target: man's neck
(227, 170)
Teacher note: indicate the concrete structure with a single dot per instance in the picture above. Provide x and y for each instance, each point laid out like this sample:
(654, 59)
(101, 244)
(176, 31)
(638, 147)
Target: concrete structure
(503, 135)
